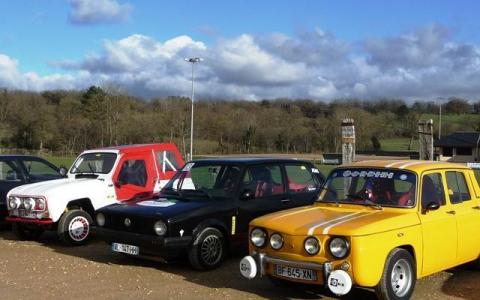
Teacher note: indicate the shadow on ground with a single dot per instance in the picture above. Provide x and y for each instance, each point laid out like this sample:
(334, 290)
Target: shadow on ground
(227, 276)
(463, 282)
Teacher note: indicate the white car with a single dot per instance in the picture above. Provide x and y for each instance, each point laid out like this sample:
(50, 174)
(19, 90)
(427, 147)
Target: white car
(96, 179)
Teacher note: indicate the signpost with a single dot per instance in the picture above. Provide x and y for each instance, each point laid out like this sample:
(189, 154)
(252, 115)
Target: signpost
(425, 139)
(348, 141)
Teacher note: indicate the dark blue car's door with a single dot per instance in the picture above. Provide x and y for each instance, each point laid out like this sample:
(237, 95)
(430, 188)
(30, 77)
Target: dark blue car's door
(303, 183)
(10, 176)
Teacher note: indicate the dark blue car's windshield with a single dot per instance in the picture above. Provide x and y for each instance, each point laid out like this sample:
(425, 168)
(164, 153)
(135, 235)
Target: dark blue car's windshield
(209, 181)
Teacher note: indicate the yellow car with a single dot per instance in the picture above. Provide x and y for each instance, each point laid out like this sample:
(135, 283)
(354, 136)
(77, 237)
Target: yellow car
(378, 224)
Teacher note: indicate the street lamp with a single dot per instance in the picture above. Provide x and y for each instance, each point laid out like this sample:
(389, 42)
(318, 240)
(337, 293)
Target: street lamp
(193, 61)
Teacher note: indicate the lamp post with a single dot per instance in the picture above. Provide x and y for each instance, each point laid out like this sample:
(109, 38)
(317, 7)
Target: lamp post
(440, 99)
(193, 61)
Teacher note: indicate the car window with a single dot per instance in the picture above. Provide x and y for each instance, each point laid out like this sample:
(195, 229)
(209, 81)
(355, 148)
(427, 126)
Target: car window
(432, 190)
(167, 161)
(197, 180)
(101, 162)
(133, 172)
(37, 169)
(457, 187)
(8, 172)
(264, 181)
(300, 179)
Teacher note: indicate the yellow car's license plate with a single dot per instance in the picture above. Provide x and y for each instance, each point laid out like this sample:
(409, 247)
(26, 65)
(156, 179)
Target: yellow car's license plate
(295, 273)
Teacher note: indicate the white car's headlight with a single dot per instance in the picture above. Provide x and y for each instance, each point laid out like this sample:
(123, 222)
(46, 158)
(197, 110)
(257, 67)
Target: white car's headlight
(312, 246)
(100, 219)
(40, 204)
(29, 203)
(339, 247)
(276, 241)
(258, 237)
(13, 202)
(160, 228)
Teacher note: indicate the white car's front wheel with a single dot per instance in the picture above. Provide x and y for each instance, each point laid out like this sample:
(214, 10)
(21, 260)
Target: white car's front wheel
(74, 227)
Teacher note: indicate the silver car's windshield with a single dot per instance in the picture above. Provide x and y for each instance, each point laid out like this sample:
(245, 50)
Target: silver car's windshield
(384, 187)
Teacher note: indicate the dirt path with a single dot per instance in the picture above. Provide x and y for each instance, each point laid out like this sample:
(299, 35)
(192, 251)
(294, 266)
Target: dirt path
(48, 270)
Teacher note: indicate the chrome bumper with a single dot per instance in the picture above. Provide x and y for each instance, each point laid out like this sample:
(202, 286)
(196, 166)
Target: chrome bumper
(262, 260)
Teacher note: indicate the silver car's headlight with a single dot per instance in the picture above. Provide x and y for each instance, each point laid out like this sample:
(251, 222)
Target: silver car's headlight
(312, 245)
(100, 219)
(276, 241)
(13, 202)
(258, 237)
(160, 228)
(339, 247)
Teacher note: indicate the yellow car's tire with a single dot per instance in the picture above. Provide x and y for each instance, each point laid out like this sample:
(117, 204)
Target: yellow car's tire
(399, 276)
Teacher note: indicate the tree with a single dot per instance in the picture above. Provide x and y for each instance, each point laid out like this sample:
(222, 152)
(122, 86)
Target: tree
(458, 106)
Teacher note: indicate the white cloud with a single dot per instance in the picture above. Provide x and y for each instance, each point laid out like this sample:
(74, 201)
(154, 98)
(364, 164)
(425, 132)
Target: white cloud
(98, 11)
(423, 63)
(11, 77)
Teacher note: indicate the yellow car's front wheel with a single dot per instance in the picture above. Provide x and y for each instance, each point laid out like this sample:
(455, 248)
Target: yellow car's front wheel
(399, 276)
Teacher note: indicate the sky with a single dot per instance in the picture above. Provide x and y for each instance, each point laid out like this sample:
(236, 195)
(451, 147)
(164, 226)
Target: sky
(253, 50)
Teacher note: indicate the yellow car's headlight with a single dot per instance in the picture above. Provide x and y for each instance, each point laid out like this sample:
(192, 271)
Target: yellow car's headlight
(339, 247)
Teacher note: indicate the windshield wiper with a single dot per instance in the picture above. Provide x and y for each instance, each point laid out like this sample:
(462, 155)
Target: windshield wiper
(202, 192)
(329, 190)
(90, 167)
(366, 201)
(370, 203)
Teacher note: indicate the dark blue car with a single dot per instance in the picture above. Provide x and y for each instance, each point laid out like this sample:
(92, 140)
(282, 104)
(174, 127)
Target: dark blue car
(204, 210)
(17, 170)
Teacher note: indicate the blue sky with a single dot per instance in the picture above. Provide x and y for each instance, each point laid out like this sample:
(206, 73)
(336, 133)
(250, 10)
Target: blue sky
(252, 49)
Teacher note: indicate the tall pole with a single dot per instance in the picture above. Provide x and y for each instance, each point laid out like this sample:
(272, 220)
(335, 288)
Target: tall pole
(440, 100)
(192, 60)
(191, 118)
(440, 121)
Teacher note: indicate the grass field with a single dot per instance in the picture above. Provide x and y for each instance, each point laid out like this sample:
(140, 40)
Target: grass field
(60, 161)
(398, 144)
(452, 119)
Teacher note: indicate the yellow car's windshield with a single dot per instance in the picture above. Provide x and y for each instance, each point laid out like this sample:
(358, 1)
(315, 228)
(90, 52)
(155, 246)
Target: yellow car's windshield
(378, 187)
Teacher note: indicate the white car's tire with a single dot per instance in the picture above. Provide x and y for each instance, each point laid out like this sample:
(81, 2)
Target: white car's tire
(74, 228)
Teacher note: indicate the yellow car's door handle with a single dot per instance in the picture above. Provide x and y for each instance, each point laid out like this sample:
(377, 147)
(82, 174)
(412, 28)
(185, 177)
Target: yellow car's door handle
(451, 212)
(476, 207)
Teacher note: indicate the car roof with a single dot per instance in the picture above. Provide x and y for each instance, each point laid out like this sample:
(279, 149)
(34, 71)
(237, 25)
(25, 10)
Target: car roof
(417, 166)
(248, 160)
(136, 148)
(22, 156)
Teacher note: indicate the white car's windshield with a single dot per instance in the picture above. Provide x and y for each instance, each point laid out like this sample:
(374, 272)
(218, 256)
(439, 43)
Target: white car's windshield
(378, 187)
(100, 163)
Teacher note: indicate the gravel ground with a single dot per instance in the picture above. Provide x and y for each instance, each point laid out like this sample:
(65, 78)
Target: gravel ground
(46, 269)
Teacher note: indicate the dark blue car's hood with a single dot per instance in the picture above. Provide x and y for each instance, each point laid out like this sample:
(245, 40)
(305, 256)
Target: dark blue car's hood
(156, 207)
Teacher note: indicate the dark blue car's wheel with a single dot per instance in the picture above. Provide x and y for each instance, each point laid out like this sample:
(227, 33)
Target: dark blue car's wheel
(208, 250)
(26, 231)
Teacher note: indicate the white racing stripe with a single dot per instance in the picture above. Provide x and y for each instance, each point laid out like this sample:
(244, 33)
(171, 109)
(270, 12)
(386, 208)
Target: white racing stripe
(411, 164)
(396, 163)
(326, 230)
(312, 229)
